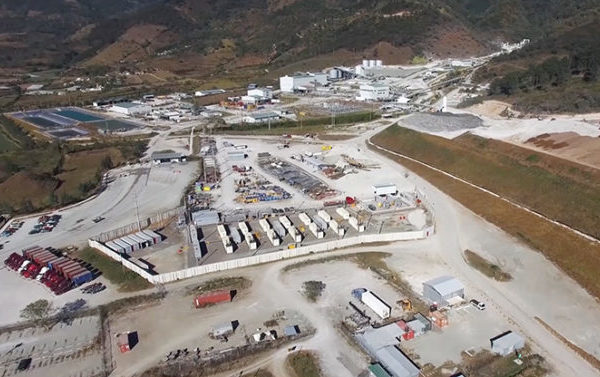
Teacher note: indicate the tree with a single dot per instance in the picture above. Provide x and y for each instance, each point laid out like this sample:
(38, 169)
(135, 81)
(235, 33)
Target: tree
(107, 163)
(38, 311)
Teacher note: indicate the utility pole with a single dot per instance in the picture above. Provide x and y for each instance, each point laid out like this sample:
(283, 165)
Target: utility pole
(137, 213)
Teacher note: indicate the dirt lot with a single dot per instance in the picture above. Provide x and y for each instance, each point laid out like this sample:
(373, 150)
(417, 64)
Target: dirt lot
(65, 350)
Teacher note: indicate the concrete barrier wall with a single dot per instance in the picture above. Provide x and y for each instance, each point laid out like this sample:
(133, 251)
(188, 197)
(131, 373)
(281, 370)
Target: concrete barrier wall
(263, 258)
(116, 256)
(289, 253)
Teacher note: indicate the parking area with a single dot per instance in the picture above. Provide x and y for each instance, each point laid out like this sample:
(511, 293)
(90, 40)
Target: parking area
(469, 329)
(68, 350)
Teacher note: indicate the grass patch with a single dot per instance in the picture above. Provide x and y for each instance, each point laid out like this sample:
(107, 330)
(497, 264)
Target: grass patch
(237, 283)
(562, 190)
(125, 279)
(577, 256)
(487, 268)
(304, 364)
(313, 289)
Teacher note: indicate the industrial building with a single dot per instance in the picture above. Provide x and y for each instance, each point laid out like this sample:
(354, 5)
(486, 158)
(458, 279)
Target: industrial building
(507, 343)
(162, 157)
(261, 92)
(374, 92)
(261, 117)
(130, 108)
(444, 291)
(381, 343)
(302, 81)
(385, 189)
(205, 217)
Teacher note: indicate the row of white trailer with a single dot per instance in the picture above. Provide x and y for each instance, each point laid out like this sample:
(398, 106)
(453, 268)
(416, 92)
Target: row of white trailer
(135, 241)
(235, 236)
(351, 219)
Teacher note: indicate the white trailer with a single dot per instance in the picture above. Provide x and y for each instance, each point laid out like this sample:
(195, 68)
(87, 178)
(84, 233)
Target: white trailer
(243, 227)
(376, 304)
(315, 230)
(324, 215)
(222, 231)
(295, 234)
(264, 224)
(272, 236)
(304, 218)
(321, 223)
(336, 228)
(343, 213)
(279, 229)
(235, 236)
(354, 222)
(285, 221)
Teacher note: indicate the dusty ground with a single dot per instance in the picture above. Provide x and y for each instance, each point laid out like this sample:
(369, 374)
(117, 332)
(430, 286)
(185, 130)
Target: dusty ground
(568, 145)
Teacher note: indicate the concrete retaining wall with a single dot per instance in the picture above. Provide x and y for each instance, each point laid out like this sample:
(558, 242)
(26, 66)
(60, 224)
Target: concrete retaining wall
(116, 256)
(263, 258)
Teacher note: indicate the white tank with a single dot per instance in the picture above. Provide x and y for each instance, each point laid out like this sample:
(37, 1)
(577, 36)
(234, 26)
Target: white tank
(371, 63)
(365, 63)
(378, 63)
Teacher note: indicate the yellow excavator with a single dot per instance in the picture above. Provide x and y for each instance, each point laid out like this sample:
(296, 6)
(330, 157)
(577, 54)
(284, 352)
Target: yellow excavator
(406, 305)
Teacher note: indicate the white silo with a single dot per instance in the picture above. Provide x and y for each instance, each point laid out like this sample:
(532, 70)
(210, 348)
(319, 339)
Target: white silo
(365, 63)
(378, 63)
(371, 63)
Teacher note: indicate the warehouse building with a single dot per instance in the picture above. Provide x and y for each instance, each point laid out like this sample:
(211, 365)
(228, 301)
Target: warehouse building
(162, 157)
(302, 81)
(261, 117)
(444, 291)
(266, 93)
(507, 343)
(130, 108)
(374, 92)
(381, 344)
(205, 217)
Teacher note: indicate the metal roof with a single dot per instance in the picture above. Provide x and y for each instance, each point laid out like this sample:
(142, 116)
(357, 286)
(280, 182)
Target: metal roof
(374, 339)
(166, 155)
(396, 362)
(445, 285)
(378, 371)
(264, 115)
(127, 105)
(507, 340)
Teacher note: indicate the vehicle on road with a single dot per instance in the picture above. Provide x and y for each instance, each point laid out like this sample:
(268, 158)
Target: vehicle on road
(477, 304)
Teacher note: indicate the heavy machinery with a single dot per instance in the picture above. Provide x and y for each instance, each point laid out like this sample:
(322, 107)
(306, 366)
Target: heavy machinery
(406, 304)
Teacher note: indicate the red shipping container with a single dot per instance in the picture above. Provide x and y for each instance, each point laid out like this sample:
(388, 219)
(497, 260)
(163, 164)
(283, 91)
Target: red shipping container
(59, 265)
(409, 335)
(67, 266)
(70, 272)
(32, 251)
(212, 298)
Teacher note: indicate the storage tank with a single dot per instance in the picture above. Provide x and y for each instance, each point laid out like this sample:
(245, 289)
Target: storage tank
(365, 63)
(371, 63)
(378, 63)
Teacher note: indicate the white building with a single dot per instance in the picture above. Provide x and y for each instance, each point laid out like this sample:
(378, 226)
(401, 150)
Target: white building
(130, 108)
(301, 81)
(261, 92)
(261, 117)
(374, 92)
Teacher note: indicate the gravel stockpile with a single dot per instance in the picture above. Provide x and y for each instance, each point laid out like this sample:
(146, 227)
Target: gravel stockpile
(442, 122)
